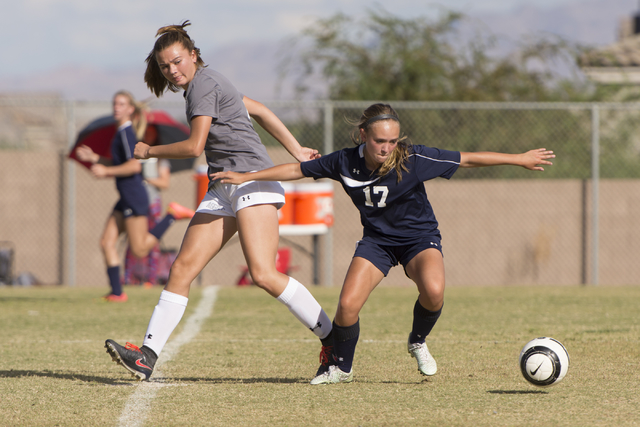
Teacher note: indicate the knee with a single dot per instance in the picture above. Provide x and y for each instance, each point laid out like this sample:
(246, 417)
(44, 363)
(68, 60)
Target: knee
(348, 311)
(263, 278)
(432, 300)
(181, 274)
(107, 244)
(180, 267)
(432, 295)
(138, 251)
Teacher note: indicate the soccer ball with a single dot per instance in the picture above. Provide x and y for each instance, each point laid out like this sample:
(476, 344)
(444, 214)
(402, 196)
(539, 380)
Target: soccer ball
(544, 361)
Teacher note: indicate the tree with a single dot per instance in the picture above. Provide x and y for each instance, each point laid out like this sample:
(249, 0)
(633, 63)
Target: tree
(390, 58)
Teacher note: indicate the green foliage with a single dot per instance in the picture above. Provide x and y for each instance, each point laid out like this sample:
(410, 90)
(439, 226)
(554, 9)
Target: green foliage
(390, 58)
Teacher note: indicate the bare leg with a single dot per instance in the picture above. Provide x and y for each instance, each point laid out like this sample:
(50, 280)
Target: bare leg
(362, 278)
(204, 238)
(427, 270)
(140, 240)
(259, 234)
(206, 235)
(109, 240)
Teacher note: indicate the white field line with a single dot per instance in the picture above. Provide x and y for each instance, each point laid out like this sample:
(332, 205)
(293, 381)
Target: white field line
(137, 407)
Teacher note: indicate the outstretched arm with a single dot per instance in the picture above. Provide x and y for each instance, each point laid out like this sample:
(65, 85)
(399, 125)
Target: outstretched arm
(272, 124)
(530, 160)
(286, 172)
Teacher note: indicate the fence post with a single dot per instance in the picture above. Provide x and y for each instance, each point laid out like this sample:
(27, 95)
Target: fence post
(595, 178)
(327, 147)
(70, 208)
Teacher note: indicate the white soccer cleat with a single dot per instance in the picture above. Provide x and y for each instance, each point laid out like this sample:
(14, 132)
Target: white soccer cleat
(333, 375)
(426, 363)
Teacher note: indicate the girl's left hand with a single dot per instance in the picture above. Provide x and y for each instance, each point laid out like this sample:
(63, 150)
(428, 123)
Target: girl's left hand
(534, 158)
(141, 151)
(307, 153)
(86, 154)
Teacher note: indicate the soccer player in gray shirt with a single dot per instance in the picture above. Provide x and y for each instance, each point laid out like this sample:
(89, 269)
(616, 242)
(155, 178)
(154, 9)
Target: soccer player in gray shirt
(220, 121)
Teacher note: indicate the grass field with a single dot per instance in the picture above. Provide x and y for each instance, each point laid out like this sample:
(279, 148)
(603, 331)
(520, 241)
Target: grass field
(251, 362)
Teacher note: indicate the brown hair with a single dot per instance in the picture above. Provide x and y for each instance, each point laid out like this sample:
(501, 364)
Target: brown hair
(400, 154)
(139, 118)
(168, 36)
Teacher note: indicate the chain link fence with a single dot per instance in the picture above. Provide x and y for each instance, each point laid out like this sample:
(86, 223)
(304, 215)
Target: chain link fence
(574, 223)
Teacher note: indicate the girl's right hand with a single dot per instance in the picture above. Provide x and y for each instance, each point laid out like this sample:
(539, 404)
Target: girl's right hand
(141, 151)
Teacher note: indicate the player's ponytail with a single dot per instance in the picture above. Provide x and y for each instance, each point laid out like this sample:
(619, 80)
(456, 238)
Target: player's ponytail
(167, 36)
(397, 159)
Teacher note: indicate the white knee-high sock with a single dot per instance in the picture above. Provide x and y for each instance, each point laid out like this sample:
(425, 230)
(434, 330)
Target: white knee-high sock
(164, 320)
(304, 306)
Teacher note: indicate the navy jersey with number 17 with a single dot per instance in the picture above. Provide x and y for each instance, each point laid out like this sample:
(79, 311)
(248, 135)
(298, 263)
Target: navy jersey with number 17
(391, 212)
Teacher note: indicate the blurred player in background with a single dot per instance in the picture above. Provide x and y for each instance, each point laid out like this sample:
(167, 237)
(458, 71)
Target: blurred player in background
(156, 174)
(221, 127)
(384, 177)
(130, 212)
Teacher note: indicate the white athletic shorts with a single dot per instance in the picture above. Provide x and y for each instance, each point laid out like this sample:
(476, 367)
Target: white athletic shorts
(227, 199)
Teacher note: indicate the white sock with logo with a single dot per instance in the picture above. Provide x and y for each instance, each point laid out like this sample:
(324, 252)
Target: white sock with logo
(304, 306)
(164, 320)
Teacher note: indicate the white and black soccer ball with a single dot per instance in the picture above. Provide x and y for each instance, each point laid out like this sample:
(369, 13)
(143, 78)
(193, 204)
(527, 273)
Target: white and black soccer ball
(544, 361)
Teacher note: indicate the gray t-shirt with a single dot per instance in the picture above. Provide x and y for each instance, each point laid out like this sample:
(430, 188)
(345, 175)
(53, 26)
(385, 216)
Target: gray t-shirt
(232, 143)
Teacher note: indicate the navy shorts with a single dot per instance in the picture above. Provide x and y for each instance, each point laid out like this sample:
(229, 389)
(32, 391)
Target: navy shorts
(137, 205)
(384, 257)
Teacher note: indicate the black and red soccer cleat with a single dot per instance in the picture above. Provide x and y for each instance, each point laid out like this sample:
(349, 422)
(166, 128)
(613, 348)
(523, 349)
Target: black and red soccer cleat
(138, 361)
(326, 359)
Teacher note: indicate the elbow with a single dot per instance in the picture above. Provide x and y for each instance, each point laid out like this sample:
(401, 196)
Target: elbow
(196, 147)
(196, 151)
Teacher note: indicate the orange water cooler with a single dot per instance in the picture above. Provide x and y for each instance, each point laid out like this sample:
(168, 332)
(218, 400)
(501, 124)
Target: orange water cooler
(285, 213)
(202, 183)
(313, 204)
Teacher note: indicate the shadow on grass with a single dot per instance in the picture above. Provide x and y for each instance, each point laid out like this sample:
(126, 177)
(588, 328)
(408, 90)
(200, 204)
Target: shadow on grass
(417, 381)
(64, 376)
(174, 380)
(167, 380)
(517, 392)
(36, 299)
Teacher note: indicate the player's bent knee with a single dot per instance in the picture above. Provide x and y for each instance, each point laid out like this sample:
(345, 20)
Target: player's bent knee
(139, 251)
(349, 310)
(264, 279)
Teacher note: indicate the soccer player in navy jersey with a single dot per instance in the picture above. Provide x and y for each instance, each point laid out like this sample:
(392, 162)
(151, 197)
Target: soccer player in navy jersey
(130, 212)
(383, 175)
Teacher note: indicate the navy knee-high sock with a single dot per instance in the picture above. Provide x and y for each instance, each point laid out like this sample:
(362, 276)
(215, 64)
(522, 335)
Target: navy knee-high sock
(162, 226)
(114, 280)
(423, 322)
(344, 344)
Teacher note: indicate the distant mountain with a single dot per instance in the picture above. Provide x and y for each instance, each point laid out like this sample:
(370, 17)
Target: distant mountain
(252, 67)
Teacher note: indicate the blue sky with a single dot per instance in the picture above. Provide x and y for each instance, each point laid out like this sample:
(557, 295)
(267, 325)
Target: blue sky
(46, 34)
(66, 46)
